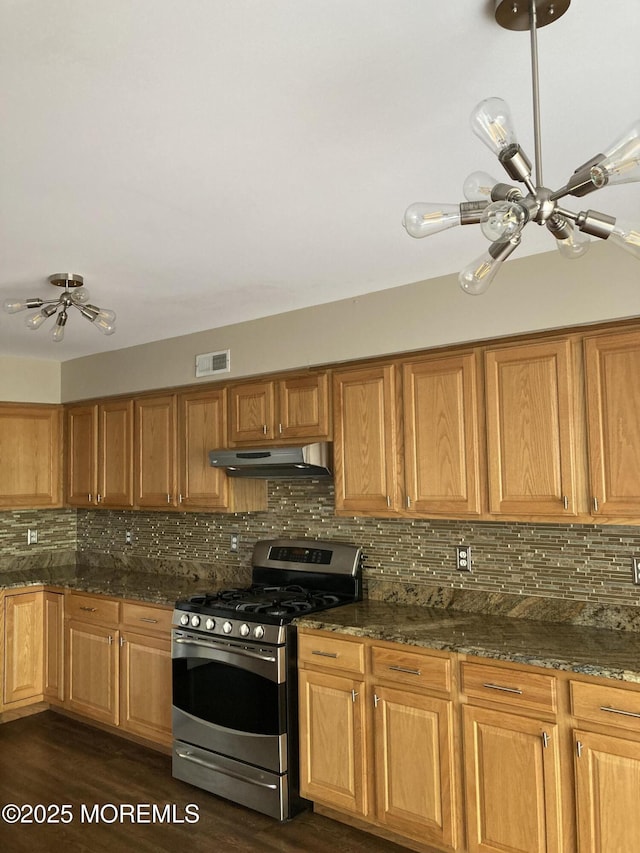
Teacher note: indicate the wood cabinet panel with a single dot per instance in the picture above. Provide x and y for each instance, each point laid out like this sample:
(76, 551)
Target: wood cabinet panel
(203, 418)
(607, 785)
(331, 652)
(155, 419)
(23, 647)
(332, 754)
(413, 669)
(146, 617)
(606, 705)
(612, 364)
(94, 609)
(520, 688)
(115, 474)
(512, 783)
(441, 429)
(145, 673)
(92, 671)
(30, 456)
(414, 753)
(82, 455)
(252, 407)
(303, 410)
(365, 451)
(53, 646)
(530, 433)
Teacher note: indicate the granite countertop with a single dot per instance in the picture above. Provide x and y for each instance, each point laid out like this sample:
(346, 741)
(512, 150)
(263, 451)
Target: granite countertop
(150, 587)
(574, 648)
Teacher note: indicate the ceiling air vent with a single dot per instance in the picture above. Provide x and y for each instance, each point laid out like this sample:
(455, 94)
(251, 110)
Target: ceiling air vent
(210, 363)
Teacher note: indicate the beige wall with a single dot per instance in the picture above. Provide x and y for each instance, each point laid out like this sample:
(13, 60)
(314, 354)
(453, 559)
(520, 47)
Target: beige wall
(29, 380)
(539, 292)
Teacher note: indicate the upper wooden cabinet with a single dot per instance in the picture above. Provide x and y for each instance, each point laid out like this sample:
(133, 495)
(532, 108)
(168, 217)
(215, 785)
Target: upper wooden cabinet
(100, 454)
(30, 444)
(287, 409)
(442, 435)
(155, 451)
(530, 430)
(365, 431)
(612, 367)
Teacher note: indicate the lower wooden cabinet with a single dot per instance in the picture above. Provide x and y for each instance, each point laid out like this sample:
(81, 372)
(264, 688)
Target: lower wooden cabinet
(23, 648)
(118, 664)
(53, 627)
(376, 743)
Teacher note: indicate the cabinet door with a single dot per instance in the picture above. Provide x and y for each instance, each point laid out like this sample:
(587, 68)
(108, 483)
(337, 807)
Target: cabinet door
(612, 364)
(415, 766)
(115, 479)
(54, 646)
(607, 785)
(303, 407)
(92, 671)
(82, 455)
(512, 783)
(365, 445)
(332, 749)
(442, 463)
(145, 679)
(251, 413)
(30, 456)
(23, 644)
(203, 418)
(156, 451)
(530, 430)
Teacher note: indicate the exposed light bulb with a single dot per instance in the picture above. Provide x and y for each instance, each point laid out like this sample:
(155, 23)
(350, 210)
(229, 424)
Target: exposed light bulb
(491, 122)
(627, 237)
(621, 162)
(478, 275)
(34, 321)
(12, 306)
(58, 333)
(575, 245)
(80, 295)
(478, 186)
(502, 220)
(105, 326)
(423, 219)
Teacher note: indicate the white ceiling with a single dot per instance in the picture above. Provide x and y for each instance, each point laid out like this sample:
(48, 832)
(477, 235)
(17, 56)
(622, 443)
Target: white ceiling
(204, 162)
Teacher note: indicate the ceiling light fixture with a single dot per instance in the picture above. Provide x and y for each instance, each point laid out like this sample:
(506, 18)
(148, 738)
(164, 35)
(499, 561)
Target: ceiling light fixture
(75, 295)
(503, 210)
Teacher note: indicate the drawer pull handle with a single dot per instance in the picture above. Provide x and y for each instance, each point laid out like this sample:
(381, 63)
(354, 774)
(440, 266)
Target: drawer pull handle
(89, 609)
(619, 711)
(406, 669)
(147, 619)
(325, 654)
(503, 689)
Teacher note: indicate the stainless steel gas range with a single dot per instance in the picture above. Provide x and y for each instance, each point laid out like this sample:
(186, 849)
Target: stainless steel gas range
(235, 722)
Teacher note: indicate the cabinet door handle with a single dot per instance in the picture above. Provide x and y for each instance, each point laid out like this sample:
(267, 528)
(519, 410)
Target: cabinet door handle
(147, 619)
(180, 499)
(408, 501)
(565, 502)
(595, 505)
(122, 641)
(90, 497)
(89, 609)
(579, 749)
(376, 699)
(610, 710)
(545, 740)
(99, 498)
(388, 500)
(264, 429)
(324, 654)
(354, 694)
(490, 686)
(110, 640)
(168, 498)
(280, 430)
(406, 669)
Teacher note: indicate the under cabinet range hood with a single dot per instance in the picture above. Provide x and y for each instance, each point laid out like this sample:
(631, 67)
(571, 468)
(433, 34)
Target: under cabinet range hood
(274, 463)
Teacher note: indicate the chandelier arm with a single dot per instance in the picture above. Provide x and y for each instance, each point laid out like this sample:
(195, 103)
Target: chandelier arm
(535, 85)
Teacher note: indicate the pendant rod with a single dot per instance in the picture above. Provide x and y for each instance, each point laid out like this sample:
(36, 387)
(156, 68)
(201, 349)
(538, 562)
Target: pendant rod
(535, 85)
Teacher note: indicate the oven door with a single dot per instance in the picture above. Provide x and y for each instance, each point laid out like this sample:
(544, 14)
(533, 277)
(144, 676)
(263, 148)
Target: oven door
(230, 698)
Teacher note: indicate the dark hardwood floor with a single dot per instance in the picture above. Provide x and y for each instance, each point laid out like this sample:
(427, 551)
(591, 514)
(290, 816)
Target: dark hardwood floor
(49, 759)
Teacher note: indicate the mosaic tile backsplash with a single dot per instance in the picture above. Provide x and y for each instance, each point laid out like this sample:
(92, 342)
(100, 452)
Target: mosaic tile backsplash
(577, 562)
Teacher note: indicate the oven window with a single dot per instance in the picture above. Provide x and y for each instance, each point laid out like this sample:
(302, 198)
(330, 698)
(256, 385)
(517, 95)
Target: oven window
(229, 696)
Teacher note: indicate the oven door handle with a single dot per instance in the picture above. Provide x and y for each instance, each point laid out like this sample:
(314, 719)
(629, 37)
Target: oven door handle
(189, 756)
(245, 653)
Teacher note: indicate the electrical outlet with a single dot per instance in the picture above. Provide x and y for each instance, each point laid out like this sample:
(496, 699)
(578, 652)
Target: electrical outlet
(128, 538)
(32, 536)
(233, 542)
(635, 561)
(463, 558)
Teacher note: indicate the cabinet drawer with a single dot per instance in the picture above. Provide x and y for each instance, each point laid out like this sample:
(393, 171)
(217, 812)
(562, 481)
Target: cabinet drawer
(146, 617)
(611, 706)
(517, 688)
(93, 608)
(320, 650)
(411, 668)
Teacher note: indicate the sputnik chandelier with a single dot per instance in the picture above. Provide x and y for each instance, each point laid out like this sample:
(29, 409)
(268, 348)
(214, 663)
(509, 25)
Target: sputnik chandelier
(502, 210)
(74, 295)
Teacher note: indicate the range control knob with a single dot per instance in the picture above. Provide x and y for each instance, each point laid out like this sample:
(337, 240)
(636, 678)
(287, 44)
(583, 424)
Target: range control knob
(245, 630)
(184, 619)
(227, 627)
(210, 624)
(258, 632)
(195, 621)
